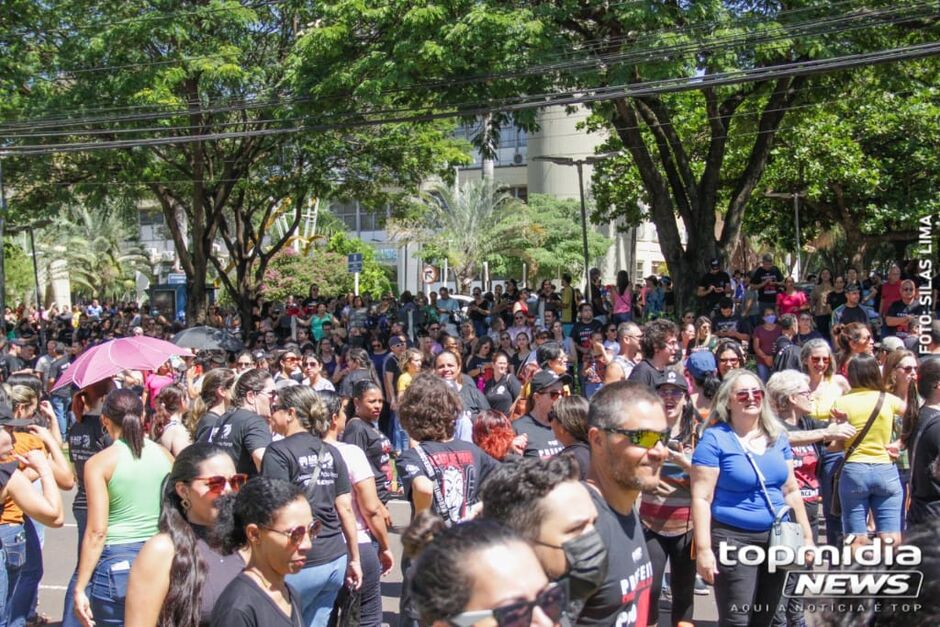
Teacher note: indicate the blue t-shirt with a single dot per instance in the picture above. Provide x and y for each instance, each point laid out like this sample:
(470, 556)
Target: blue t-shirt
(738, 500)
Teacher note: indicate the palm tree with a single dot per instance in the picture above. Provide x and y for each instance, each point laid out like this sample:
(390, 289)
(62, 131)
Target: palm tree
(101, 250)
(469, 224)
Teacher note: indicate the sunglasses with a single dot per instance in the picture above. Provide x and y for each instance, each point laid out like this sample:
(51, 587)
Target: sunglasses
(289, 359)
(217, 483)
(296, 535)
(744, 395)
(907, 369)
(552, 600)
(555, 394)
(670, 392)
(729, 360)
(311, 364)
(820, 360)
(644, 438)
(246, 364)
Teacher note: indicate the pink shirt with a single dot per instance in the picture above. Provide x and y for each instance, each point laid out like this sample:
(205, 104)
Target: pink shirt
(790, 303)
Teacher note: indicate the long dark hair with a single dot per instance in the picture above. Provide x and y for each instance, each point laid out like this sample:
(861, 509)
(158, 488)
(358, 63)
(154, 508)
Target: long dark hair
(187, 571)
(124, 408)
(623, 282)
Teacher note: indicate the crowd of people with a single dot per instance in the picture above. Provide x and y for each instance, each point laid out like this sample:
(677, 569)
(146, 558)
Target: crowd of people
(557, 452)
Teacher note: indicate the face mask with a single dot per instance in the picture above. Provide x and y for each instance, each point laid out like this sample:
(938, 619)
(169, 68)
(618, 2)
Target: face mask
(770, 319)
(587, 566)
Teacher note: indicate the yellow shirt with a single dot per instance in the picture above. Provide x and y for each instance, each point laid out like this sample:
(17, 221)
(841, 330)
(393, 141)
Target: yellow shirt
(858, 406)
(404, 380)
(824, 396)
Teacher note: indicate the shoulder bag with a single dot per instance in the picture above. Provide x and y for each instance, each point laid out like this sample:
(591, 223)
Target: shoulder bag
(836, 505)
(442, 509)
(782, 532)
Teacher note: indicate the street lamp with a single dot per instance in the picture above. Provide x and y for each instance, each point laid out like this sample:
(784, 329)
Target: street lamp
(30, 227)
(796, 216)
(579, 163)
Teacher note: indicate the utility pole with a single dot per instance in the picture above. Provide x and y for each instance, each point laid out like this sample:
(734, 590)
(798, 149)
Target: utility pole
(3, 219)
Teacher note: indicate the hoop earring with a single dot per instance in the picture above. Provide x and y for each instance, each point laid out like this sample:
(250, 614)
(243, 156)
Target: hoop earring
(185, 502)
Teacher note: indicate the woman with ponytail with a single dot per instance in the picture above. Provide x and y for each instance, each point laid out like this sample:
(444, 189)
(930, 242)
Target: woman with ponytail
(123, 484)
(179, 574)
(213, 401)
(168, 429)
(302, 458)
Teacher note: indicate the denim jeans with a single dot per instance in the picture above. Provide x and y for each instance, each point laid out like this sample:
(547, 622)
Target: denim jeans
(747, 595)
(400, 440)
(317, 587)
(370, 600)
(833, 522)
(871, 487)
(764, 371)
(13, 541)
(68, 613)
(24, 594)
(62, 413)
(108, 587)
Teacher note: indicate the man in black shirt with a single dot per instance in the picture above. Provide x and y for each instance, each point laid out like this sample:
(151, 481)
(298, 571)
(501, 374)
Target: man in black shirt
(902, 312)
(851, 311)
(659, 344)
(712, 287)
(582, 330)
(547, 387)
(727, 324)
(768, 281)
(627, 424)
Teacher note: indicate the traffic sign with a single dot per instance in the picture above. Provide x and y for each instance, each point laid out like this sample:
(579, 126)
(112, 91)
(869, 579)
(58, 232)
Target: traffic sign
(354, 262)
(430, 274)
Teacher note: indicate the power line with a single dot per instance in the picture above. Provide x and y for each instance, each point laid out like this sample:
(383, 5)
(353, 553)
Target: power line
(634, 55)
(673, 85)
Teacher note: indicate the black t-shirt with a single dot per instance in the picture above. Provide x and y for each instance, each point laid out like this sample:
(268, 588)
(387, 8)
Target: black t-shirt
(245, 604)
(624, 597)
(293, 459)
(391, 365)
(86, 437)
(899, 309)
(925, 487)
(241, 432)
(345, 388)
(56, 370)
(472, 398)
(377, 449)
(581, 451)
(542, 441)
(768, 294)
(853, 314)
(475, 315)
(459, 469)
(205, 424)
(730, 323)
(503, 393)
(718, 279)
(581, 332)
(645, 373)
(835, 299)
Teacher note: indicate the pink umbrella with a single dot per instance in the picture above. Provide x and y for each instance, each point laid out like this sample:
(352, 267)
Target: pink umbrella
(126, 353)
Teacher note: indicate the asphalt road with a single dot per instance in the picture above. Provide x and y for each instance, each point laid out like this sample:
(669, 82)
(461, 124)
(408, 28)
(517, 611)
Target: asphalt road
(59, 559)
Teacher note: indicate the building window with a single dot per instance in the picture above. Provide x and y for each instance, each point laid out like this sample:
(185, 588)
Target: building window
(520, 192)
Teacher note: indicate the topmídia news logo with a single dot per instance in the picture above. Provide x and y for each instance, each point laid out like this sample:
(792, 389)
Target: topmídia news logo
(879, 570)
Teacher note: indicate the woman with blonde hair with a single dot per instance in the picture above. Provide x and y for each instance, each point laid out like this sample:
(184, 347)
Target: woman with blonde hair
(742, 480)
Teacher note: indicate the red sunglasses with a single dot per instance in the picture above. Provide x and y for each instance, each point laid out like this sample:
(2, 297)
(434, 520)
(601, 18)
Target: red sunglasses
(744, 395)
(217, 483)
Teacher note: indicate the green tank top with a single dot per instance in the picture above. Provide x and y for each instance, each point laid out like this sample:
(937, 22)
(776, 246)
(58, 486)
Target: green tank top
(134, 493)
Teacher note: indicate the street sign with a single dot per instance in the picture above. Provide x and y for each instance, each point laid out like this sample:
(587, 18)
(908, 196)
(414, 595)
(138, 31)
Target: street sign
(176, 278)
(354, 262)
(429, 274)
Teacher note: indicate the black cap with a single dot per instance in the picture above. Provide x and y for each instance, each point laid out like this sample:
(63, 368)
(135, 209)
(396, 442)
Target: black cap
(852, 287)
(546, 378)
(715, 262)
(671, 377)
(258, 355)
(7, 419)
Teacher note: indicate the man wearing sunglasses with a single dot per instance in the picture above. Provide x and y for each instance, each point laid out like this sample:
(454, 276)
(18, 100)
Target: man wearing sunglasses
(902, 312)
(546, 387)
(627, 432)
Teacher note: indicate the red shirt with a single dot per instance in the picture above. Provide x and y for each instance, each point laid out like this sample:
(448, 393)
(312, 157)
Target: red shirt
(890, 292)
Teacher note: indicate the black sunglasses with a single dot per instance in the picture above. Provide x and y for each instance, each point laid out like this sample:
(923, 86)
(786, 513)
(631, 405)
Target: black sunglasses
(552, 600)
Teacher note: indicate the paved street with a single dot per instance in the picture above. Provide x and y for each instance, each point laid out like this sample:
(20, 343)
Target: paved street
(60, 551)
